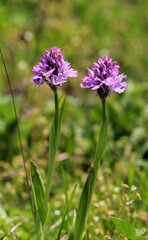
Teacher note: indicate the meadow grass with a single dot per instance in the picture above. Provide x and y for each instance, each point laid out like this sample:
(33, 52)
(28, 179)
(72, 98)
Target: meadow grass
(85, 30)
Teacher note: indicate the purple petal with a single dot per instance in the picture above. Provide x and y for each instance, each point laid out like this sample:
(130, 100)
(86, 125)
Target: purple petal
(104, 77)
(53, 69)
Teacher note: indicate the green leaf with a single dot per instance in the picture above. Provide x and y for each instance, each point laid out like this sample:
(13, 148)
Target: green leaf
(38, 191)
(140, 231)
(66, 209)
(82, 212)
(125, 227)
(39, 228)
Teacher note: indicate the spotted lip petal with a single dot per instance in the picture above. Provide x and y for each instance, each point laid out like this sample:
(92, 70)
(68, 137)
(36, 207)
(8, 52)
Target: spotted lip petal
(104, 77)
(52, 69)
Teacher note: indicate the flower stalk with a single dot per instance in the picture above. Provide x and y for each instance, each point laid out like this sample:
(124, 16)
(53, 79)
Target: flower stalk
(52, 150)
(86, 196)
(53, 146)
(102, 137)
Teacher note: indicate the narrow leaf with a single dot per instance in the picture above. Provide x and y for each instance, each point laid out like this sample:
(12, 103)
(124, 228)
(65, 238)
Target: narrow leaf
(66, 210)
(82, 212)
(38, 190)
(39, 228)
(125, 227)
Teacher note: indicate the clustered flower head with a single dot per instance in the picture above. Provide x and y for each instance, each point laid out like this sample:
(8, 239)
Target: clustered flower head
(52, 69)
(104, 78)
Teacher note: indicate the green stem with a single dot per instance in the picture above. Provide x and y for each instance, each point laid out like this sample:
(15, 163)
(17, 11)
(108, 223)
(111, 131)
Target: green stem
(56, 117)
(101, 143)
(39, 230)
(86, 196)
(52, 155)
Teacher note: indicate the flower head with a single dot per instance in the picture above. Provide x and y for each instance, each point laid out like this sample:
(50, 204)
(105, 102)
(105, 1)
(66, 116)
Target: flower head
(52, 69)
(104, 78)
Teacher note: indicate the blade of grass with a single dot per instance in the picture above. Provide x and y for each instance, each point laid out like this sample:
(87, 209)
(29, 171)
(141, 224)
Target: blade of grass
(66, 210)
(18, 130)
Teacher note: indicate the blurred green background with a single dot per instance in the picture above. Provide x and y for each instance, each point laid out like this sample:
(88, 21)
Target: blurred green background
(85, 30)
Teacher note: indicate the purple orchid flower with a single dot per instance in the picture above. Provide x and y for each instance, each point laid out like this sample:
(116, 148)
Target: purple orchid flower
(104, 78)
(52, 69)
